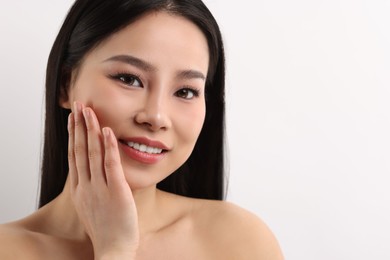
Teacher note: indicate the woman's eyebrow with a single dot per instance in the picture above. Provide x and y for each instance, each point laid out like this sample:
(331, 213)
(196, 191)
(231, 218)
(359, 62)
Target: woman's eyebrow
(146, 66)
(128, 59)
(191, 74)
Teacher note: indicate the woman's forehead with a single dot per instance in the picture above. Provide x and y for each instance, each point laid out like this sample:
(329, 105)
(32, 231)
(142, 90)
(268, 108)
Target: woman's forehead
(158, 37)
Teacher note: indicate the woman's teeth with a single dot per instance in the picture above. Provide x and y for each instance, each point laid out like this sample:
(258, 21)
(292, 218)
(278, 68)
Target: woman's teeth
(144, 148)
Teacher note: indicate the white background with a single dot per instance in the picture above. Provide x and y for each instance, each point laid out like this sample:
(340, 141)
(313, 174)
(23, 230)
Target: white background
(308, 117)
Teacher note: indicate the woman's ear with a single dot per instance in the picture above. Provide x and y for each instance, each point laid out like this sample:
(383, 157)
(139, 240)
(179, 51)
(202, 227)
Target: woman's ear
(64, 101)
(65, 89)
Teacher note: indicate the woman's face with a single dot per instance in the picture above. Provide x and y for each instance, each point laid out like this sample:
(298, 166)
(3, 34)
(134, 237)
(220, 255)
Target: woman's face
(147, 83)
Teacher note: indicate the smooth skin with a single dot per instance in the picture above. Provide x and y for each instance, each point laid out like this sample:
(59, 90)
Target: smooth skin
(110, 207)
(98, 187)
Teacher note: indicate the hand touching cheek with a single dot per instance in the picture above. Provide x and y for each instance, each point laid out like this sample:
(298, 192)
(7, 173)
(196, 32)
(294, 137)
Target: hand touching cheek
(100, 193)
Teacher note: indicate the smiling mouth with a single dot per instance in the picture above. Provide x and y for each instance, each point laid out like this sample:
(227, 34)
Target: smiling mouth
(143, 148)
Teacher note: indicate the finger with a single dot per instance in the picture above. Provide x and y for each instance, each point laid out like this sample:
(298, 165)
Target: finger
(95, 146)
(112, 162)
(71, 158)
(80, 145)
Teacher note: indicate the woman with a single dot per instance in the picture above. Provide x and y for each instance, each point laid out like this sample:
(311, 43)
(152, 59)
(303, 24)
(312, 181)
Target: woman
(133, 151)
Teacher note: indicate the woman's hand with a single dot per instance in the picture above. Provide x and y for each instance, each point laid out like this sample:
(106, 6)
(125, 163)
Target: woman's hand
(100, 193)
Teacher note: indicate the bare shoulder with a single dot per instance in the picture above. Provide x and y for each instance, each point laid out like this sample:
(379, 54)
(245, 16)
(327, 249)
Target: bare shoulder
(235, 233)
(16, 242)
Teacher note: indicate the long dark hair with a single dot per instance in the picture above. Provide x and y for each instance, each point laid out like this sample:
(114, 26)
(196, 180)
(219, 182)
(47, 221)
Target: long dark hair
(87, 24)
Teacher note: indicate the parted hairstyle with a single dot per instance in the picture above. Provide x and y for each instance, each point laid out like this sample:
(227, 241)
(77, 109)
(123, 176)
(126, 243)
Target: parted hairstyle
(86, 25)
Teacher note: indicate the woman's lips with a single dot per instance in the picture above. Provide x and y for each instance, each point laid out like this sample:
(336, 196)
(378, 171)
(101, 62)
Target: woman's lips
(145, 141)
(143, 150)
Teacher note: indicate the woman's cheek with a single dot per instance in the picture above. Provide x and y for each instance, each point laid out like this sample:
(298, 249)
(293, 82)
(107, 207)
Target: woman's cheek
(105, 115)
(199, 115)
(192, 123)
(103, 102)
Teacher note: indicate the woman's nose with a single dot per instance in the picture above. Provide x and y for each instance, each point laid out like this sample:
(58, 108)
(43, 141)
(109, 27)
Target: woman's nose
(153, 115)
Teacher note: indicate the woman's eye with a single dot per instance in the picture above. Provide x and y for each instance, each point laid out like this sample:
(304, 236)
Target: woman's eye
(128, 79)
(187, 93)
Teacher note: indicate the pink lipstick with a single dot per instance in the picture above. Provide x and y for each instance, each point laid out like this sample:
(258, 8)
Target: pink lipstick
(143, 150)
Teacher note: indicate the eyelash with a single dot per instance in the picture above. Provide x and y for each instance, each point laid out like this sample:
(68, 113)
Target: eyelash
(118, 76)
(194, 91)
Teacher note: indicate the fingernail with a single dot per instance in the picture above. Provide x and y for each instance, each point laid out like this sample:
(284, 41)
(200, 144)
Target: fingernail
(106, 133)
(69, 120)
(86, 112)
(77, 107)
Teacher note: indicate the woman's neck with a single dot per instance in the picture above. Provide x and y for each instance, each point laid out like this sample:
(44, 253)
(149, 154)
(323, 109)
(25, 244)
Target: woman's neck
(59, 217)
